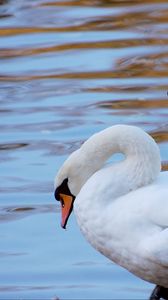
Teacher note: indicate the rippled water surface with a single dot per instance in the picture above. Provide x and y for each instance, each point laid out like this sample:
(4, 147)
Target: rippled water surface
(67, 70)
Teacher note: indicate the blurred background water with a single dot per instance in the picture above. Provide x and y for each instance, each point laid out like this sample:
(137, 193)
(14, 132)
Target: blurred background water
(67, 70)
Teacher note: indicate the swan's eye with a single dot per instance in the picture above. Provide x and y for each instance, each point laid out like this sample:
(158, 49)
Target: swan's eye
(63, 189)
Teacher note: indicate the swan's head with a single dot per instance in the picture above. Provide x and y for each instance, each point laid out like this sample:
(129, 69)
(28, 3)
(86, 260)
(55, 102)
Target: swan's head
(142, 162)
(68, 182)
(64, 195)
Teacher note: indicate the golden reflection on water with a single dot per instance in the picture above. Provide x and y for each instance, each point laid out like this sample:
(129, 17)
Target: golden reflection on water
(138, 18)
(147, 62)
(136, 29)
(146, 20)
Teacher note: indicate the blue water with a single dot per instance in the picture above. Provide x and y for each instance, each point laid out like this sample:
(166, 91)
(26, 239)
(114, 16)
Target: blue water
(67, 70)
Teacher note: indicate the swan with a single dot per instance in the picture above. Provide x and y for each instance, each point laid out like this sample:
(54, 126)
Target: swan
(121, 208)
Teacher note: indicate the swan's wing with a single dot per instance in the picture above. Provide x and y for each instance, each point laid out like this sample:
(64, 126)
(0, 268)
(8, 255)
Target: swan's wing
(155, 248)
(147, 214)
(155, 244)
(151, 202)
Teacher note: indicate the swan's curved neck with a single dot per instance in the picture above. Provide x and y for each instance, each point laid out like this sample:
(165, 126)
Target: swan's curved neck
(141, 164)
(142, 156)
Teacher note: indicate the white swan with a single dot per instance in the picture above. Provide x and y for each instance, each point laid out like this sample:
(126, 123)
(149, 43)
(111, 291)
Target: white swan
(122, 209)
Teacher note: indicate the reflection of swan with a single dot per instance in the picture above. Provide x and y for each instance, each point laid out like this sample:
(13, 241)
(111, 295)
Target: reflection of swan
(122, 209)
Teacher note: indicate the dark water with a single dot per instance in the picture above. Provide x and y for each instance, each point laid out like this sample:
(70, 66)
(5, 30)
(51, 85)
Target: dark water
(67, 70)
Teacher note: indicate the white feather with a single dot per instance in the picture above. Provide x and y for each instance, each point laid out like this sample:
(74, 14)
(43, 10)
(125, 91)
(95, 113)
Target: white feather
(122, 209)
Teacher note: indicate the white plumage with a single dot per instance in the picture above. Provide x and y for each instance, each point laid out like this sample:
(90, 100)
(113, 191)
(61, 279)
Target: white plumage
(122, 209)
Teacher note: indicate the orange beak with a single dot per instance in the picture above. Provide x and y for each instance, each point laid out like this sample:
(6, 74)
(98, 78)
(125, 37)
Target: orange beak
(66, 208)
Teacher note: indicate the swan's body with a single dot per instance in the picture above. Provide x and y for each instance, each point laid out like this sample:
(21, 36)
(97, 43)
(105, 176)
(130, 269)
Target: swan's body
(132, 230)
(122, 209)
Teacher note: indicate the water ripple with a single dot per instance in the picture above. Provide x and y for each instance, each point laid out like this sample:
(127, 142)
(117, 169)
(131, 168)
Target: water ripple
(12, 213)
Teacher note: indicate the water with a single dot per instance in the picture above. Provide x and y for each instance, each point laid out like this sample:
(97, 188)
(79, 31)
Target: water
(67, 70)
